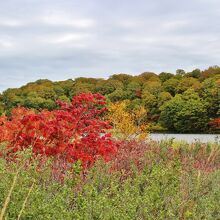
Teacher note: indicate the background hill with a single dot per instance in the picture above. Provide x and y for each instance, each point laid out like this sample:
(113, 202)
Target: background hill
(181, 102)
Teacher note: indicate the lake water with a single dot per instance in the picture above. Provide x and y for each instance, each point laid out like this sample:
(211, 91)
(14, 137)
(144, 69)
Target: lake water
(204, 138)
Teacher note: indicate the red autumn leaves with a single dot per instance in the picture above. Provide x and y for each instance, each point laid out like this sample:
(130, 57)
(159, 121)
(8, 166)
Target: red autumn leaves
(74, 132)
(215, 123)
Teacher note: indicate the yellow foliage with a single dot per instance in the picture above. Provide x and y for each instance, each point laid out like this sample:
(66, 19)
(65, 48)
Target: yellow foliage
(127, 124)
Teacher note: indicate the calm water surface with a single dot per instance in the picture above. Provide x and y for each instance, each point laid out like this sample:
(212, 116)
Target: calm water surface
(204, 138)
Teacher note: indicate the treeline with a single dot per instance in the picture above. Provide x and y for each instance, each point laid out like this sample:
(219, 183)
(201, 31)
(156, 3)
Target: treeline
(181, 102)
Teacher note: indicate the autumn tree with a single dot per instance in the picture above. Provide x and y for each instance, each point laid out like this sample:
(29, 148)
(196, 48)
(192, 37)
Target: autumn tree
(75, 131)
(127, 124)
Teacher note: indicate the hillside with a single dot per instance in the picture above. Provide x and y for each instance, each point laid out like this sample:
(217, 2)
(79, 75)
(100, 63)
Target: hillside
(184, 102)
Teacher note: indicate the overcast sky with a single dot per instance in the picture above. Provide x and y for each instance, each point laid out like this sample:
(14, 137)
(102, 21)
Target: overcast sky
(62, 39)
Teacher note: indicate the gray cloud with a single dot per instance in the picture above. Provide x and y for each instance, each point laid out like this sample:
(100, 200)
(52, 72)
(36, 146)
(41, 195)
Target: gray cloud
(66, 39)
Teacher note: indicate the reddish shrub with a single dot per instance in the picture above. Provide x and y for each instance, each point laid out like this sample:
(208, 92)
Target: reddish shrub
(74, 132)
(215, 124)
(140, 153)
(200, 156)
(133, 152)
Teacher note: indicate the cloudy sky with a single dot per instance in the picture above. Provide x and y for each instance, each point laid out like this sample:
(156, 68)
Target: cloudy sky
(62, 39)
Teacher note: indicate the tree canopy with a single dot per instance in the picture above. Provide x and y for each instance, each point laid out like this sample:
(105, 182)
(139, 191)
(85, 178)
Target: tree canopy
(181, 102)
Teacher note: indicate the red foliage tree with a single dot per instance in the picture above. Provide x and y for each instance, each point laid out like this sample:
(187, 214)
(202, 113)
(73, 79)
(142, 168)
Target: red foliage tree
(74, 132)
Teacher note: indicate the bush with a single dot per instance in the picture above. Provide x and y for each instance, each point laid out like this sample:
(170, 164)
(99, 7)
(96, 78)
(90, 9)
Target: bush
(71, 133)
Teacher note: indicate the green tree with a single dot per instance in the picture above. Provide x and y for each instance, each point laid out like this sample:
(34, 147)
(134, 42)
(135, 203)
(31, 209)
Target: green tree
(106, 87)
(153, 87)
(185, 113)
(196, 73)
(117, 95)
(148, 75)
(180, 72)
(211, 94)
(133, 90)
(163, 97)
(80, 87)
(186, 83)
(165, 76)
(124, 78)
(170, 85)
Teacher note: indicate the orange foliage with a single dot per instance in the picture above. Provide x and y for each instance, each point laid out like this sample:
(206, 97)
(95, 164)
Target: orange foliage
(127, 124)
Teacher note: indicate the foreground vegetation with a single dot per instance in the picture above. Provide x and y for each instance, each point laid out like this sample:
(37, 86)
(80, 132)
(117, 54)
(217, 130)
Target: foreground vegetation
(143, 181)
(184, 102)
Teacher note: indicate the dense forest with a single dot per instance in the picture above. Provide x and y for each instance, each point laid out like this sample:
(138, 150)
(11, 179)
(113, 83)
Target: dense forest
(184, 102)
